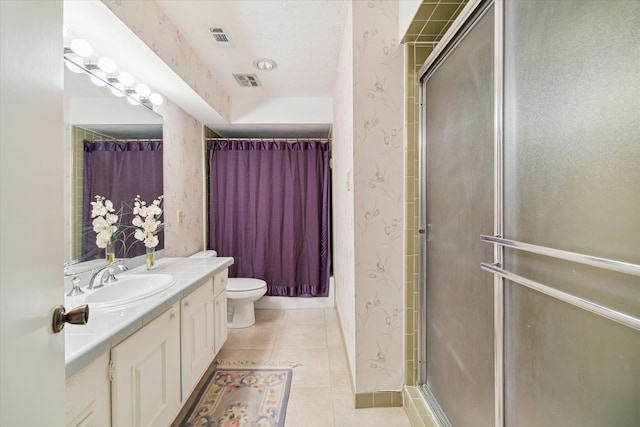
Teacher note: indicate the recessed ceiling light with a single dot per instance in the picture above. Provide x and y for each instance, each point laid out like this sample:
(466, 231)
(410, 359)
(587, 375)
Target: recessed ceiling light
(265, 64)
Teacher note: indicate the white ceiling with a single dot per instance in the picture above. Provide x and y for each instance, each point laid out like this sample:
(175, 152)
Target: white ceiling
(303, 36)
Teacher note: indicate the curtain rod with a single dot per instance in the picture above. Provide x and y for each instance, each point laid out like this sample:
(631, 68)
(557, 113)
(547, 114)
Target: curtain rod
(321, 140)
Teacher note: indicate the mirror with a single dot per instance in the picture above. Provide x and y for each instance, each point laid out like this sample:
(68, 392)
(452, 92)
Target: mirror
(93, 113)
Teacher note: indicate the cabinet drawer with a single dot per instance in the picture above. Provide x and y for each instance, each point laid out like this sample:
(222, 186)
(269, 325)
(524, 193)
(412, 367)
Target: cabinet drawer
(220, 281)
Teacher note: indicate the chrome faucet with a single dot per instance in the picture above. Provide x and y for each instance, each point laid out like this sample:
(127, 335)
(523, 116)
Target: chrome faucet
(97, 279)
(75, 281)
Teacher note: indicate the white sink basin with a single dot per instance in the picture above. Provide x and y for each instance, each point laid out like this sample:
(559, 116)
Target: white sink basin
(129, 288)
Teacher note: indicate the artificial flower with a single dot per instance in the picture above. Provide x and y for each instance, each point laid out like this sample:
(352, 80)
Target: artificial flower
(103, 238)
(99, 224)
(105, 223)
(147, 221)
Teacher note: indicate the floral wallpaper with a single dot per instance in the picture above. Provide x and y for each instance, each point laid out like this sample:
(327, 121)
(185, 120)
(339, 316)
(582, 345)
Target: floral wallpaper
(378, 98)
(147, 19)
(368, 196)
(183, 159)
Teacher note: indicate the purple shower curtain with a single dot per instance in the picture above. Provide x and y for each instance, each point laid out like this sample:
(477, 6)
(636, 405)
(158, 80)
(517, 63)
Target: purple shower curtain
(119, 171)
(269, 210)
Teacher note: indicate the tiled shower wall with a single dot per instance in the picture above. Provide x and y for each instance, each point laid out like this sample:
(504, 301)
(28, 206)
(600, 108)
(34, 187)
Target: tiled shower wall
(416, 55)
(429, 25)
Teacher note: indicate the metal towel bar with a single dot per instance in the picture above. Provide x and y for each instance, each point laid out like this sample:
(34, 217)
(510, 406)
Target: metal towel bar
(609, 264)
(598, 309)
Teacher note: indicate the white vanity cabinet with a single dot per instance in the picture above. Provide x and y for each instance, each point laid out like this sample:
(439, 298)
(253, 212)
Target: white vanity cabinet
(88, 395)
(145, 389)
(197, 336)
(220, 308)
(203, 329)
(144, 380)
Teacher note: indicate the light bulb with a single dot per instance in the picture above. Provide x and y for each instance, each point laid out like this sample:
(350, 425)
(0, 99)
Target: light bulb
(76, 64)
(143, 90)
(265, 64)
(99, 79)
(134, 99)
(81, 47)
(107, 65)
(126, 79)
(118, 90)
(155, 99)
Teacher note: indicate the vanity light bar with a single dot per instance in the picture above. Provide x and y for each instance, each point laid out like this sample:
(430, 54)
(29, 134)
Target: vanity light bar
(103, 72)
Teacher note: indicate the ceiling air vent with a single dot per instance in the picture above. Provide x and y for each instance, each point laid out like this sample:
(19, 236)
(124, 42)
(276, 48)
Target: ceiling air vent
(247, 80)
(220, 36)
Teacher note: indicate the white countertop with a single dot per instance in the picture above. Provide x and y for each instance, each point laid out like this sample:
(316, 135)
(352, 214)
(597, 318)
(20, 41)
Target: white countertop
(107, 328)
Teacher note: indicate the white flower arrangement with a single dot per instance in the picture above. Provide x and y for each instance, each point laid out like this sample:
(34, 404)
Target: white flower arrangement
(147, 221)
(105, 223)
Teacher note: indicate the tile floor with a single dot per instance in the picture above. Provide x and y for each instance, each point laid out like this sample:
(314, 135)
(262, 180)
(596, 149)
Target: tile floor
(320, 391)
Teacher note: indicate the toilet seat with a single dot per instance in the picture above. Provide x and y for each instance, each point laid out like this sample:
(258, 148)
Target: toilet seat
(240, 284)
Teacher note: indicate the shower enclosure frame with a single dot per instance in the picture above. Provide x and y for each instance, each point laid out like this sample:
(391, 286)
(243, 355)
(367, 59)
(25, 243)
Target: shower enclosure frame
(466, 20)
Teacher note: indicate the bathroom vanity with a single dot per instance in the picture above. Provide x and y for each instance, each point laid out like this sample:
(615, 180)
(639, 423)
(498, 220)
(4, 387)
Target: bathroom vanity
(137, 364)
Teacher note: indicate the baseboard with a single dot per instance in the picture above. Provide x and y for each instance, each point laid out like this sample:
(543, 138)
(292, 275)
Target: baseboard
(379, 399)
(416, 408)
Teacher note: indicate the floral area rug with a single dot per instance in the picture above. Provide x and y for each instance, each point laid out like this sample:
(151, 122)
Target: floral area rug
(242, 397)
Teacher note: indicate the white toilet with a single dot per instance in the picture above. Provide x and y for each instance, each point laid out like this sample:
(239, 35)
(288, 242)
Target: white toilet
(241, 294)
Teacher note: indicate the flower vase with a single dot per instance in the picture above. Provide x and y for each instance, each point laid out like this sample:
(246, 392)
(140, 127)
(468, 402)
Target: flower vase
(110, 253)
(151, 258)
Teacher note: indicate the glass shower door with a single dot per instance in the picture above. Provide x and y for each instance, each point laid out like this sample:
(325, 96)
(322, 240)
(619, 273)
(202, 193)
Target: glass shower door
(572, 183)
(458, 171)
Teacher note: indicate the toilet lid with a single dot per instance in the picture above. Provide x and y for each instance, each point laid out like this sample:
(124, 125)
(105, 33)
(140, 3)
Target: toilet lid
(244, 284)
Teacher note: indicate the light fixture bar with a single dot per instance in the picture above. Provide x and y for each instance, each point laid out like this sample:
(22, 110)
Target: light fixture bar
(102, 73)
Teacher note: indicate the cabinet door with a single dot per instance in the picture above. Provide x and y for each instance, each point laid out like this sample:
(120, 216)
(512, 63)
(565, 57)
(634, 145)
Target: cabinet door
(88, 395)
(220, 303)
(197, 337)
(146, 382)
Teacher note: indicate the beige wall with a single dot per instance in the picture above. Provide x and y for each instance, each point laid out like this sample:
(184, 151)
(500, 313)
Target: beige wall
(149, 22)
(183, 170)
(342, 194)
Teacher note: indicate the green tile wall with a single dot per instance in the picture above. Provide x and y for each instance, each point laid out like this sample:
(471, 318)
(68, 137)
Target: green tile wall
(431, 22)
(78, 135)
(417, 411)
(428, 27)
(380, 399)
